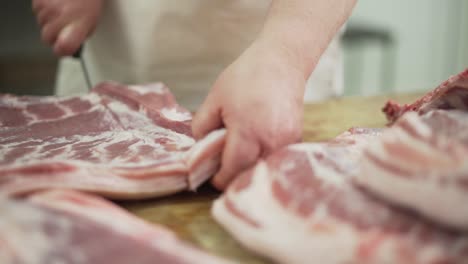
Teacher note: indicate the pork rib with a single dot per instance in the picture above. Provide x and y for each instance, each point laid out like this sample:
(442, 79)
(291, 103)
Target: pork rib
(421, 163)
(299, 206)
(62, 226)
(118, 141)
(451, 94)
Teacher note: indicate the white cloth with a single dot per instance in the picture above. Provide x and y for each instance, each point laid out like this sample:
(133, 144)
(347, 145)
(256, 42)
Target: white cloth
(184, 45)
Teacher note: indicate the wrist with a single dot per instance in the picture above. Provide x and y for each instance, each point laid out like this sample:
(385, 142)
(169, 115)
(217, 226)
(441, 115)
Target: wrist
(278, 65)
(301, 30)
(282, 51)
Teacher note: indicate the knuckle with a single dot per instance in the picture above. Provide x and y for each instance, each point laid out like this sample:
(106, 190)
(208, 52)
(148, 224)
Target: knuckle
(281, 136)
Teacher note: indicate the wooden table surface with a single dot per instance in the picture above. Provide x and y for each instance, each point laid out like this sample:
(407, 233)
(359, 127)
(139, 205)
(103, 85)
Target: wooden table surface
(188, 214)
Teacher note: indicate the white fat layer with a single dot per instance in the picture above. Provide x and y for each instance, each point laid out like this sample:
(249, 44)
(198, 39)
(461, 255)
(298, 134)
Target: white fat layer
(417, 124)
(145, 124)
(196, 152)
(202, 172)
(174, 114)
(106, 181)
(157, 88)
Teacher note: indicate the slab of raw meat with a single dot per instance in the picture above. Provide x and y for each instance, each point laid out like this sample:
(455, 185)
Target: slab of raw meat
(299, 206)
(117, 141)
(62, 226)
(421, 162)
(451, 94)
(204, 157)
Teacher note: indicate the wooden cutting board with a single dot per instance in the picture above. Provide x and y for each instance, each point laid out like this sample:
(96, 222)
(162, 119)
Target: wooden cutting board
(188, 214)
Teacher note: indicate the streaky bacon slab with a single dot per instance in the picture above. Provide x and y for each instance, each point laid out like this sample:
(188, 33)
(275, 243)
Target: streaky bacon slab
(63, 226)
(421, 163)
(300, 205)
(118, 141)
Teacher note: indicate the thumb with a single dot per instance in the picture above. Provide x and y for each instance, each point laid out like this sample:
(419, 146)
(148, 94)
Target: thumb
(70, 38)
(206, 119)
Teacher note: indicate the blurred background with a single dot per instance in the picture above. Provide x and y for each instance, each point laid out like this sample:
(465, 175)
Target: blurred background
(404, 46)
(389, 46)
(26, 65)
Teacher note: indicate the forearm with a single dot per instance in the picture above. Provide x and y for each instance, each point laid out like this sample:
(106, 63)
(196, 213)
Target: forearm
(302, 29)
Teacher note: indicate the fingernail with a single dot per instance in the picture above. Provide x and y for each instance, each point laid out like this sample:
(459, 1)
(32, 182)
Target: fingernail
(66, 32)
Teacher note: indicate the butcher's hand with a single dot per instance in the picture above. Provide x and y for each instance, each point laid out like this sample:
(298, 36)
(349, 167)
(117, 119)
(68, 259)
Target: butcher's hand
(65, 24)
(259, 99)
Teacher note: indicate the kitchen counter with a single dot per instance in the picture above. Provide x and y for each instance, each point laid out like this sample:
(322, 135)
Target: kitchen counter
(188, 214)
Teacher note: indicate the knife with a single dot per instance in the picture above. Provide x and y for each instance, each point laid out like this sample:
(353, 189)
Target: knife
(78, 55)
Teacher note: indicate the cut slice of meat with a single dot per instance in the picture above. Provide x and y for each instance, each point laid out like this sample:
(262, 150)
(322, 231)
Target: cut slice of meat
(421, 163)
(451, 94)
(118, 141)
(63, 226)
(204, 158)
(299, 206)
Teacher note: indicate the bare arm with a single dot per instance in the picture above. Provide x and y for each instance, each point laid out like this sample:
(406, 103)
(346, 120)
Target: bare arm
(304, 28)
(259, 97)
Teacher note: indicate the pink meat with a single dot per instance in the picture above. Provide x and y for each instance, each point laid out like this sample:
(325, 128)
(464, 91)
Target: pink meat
(117, 141)
(451, 94)
(300, 206)
(421, 163)
(63, 226)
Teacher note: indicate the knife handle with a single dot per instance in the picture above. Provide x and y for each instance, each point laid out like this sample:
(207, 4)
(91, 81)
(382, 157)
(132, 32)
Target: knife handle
(77, 53)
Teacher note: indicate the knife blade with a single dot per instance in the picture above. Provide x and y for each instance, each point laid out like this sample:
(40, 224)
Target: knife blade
(78, 55)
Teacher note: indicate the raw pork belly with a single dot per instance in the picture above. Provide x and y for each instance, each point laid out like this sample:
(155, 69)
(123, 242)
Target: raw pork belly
(299, 206)
(70, 227)
(451, 94)
(421, 163)
(117, 141)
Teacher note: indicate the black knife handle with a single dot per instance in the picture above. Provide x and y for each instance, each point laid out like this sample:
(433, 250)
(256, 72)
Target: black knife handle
(77, 53)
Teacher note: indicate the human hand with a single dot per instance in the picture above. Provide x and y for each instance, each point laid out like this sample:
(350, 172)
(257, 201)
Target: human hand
(65, 24)
(259, 99)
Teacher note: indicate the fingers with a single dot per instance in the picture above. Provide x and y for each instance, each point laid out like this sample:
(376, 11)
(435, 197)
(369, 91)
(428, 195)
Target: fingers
(70, 39)
(207, 119)
(65, 25)
(241, 152)
(47, 15)
(51, 30)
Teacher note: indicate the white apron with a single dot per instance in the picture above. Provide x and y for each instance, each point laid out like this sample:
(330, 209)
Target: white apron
(185, 45)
